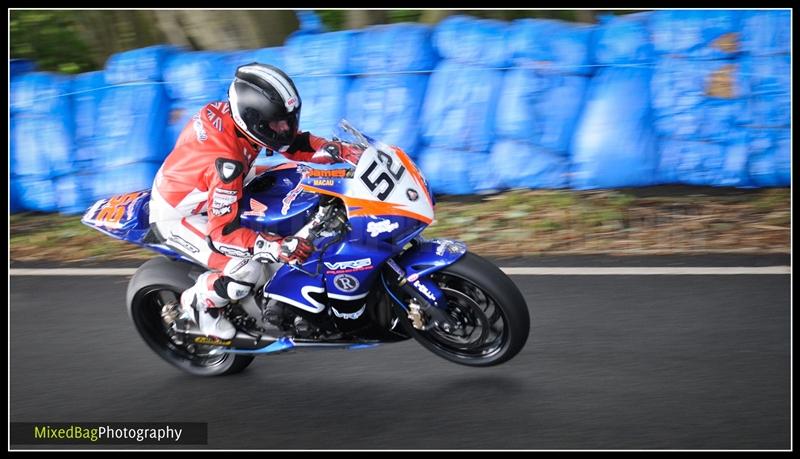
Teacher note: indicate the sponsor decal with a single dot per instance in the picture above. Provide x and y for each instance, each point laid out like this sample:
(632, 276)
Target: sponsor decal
(220, 211)
(257, 209)
(115, 208)
(232, 251)
(382, 226)
(413, 277)
(350, 316)
(222, 200)
(183, 243)
(449, 246)
(424, 290)
(199, 131)
(211, 341)
(291, 103)
(323, 182)
(362, 264)
(412, 194)
(332, 173)
(346, 282)
(289, 199)
(239, 266)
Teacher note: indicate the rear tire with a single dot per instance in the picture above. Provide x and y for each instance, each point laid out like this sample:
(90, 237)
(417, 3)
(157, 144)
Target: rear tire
(489, 299)
(156, 283)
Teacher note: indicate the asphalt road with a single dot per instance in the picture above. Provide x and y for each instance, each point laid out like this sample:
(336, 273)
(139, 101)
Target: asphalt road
(613, 362)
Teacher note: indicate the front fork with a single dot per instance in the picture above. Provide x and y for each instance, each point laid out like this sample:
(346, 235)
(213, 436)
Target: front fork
(424, 294)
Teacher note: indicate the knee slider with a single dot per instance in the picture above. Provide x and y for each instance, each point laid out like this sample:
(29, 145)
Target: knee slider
(231, 289)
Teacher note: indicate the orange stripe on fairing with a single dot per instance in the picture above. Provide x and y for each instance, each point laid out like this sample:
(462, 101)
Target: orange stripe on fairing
(280, 167)
(367, 207)
(413, 171)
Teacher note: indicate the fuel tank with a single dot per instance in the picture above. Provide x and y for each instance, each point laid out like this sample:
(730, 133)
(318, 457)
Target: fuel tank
(281, 206)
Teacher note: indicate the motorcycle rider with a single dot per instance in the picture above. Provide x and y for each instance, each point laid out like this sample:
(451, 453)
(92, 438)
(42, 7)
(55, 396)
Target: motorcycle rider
(194, 206)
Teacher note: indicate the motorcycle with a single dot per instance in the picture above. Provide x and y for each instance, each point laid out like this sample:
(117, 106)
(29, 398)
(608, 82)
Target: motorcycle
(372, 279)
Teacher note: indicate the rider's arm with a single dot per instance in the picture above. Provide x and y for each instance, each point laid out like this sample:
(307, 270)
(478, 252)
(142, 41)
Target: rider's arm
(304, 147)
(224, 230)
(225, 178)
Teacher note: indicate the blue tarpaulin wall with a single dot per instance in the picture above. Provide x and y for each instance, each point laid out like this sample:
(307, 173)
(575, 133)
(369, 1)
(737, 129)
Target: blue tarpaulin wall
(720, 97)
(542, 97)
(696, 97)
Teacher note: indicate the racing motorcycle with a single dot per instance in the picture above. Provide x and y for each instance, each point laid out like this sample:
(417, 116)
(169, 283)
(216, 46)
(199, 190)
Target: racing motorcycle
(372, 278)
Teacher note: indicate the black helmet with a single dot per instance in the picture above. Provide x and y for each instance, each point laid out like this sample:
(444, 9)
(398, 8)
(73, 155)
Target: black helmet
(259, 95)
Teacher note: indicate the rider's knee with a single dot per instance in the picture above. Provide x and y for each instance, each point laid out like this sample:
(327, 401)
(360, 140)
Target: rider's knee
(244, 270)
(232, 289)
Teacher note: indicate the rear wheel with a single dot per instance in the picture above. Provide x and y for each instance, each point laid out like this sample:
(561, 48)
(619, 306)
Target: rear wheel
(157, 286)
(491, 317)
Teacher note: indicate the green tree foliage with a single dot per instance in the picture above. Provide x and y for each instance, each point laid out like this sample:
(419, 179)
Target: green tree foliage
(51, 39)
(77, 41)
(395, 16)
(74, 41)
(337, 19)
(333, 19)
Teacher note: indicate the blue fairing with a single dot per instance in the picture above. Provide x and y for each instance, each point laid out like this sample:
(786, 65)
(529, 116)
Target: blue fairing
(393, 230)
(345, 272)
(351, 268)
(302, 289)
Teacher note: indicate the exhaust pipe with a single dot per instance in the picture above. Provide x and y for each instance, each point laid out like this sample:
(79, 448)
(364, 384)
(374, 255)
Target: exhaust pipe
(244, 341)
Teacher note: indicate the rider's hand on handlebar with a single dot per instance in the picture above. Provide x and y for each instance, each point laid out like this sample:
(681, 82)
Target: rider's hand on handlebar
(341, 152)
(271, 248)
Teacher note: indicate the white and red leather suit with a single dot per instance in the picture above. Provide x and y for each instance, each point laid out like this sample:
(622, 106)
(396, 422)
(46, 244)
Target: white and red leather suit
(195, 199)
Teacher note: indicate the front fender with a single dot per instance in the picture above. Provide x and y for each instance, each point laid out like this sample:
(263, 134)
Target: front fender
(426, 257)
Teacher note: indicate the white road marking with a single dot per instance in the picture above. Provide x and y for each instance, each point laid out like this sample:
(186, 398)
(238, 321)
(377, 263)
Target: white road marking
(72, 271)
(521, 271)
(649, 271)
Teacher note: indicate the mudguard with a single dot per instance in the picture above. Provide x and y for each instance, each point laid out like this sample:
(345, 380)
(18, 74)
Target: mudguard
(426, 257)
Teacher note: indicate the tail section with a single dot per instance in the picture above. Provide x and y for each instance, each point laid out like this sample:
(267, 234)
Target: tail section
(124, 216)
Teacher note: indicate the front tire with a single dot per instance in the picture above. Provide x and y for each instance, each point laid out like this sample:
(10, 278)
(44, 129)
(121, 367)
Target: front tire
(491, 311)
(156, 283)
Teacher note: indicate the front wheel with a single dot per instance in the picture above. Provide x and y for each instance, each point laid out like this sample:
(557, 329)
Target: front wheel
(490, 313)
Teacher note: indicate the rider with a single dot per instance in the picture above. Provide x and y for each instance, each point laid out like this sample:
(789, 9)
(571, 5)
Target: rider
(194, 206)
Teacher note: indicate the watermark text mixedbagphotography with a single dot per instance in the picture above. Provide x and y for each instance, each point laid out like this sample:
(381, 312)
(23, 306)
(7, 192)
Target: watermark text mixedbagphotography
(106, 432)
(109, 433)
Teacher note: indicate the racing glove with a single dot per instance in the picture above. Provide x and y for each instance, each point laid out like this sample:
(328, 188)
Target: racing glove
(272, 248)
(340, 152)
